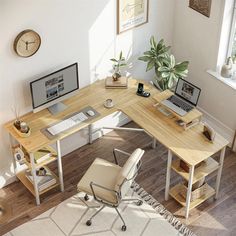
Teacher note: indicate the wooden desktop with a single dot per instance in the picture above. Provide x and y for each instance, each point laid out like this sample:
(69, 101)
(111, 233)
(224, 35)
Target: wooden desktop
(188, 145)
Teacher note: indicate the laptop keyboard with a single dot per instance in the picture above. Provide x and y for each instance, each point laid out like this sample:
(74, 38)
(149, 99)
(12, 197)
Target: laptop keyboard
(179, 103)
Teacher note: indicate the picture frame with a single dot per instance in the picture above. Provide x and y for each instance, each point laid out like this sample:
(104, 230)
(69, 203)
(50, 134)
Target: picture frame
(201, 6)
(131, 14)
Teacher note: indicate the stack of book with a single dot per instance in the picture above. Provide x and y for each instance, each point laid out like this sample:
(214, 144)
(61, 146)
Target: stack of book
(44, 181)
(122, 82)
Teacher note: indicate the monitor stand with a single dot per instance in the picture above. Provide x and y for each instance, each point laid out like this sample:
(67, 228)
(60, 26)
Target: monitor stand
(56, 108)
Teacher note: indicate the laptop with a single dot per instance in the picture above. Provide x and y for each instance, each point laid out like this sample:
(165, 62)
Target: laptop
(185, 98)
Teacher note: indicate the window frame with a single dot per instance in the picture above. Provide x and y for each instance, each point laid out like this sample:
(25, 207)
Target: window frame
(232, 32)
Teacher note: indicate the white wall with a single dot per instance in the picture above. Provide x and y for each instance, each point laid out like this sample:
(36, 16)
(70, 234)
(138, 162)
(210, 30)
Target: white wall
(196, 38)
(75, 30)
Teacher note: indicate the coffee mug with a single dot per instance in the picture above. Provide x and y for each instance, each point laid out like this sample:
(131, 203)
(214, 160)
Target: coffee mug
(108, 103)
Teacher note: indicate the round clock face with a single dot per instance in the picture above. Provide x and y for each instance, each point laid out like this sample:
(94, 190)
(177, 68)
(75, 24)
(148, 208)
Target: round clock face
(27, 43)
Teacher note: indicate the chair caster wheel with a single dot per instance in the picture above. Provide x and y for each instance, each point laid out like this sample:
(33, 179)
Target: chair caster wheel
(139, 203)
(86, 197)
(123, 228)
(88, 222)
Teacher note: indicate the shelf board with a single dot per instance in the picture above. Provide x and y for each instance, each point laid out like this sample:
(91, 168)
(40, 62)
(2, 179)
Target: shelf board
(25, 181)
(175, 193)
(202, 171)
(50, 159)
(21, 176)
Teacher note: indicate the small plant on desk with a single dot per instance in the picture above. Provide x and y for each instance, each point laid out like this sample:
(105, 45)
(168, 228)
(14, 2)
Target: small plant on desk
(118, 63)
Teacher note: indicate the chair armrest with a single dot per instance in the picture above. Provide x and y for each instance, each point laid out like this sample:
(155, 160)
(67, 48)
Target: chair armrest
(92, 185)
(115, 150)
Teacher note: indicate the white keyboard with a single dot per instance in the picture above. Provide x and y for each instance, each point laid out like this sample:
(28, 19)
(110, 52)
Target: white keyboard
(67, 124)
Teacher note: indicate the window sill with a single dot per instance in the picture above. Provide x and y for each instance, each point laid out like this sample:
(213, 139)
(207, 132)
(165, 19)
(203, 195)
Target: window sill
(228, 81)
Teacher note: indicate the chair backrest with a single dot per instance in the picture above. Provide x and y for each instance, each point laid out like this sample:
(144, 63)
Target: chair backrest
(128, 172)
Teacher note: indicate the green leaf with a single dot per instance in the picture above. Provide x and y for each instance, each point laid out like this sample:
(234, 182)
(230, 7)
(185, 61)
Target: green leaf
(150, 65)
(113, 59)
(166, 61)
(172, 61)
(163, 69)
(144, 58)
(182, 66)
(149, 53)
(182, 73)
(152, 42)
(120, 55)
(165, 74)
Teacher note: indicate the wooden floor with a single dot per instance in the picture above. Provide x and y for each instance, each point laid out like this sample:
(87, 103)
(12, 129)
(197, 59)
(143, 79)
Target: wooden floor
(210, 218)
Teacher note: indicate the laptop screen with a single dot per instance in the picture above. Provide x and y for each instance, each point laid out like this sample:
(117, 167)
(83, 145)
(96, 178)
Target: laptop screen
(187, 91)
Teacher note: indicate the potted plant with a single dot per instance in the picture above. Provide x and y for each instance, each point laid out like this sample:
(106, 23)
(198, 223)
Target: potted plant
(118, 63)
(166, 69)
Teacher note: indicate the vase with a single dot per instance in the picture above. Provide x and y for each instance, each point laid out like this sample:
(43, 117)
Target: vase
(227, 69)
(17, 124)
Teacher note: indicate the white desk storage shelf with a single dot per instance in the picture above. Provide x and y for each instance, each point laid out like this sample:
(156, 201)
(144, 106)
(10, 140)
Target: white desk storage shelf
(206, 168)
(27, 166)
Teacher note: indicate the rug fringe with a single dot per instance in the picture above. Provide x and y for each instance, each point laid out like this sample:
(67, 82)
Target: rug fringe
(183, 229)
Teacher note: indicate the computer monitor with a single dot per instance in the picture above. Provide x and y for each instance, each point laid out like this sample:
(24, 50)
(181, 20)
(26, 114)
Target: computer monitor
(187, 91)
(48, 91)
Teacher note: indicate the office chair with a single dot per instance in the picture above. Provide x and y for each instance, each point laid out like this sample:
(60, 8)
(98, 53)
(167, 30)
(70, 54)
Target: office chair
(108, 183)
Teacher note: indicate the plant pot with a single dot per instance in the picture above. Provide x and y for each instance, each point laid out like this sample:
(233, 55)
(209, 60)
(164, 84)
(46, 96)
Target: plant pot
(116, 76)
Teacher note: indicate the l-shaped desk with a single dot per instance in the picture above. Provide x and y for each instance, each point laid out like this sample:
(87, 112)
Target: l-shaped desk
(189, 145)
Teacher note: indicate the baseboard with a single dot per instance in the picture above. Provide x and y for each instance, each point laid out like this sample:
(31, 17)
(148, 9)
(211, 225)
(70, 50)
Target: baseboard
(220, 128)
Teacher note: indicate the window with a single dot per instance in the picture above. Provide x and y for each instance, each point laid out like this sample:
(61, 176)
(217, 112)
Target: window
(232, 40)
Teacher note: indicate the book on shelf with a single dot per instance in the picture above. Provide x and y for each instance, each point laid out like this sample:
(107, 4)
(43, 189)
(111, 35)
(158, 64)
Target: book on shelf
(43, 181)
(42, 155)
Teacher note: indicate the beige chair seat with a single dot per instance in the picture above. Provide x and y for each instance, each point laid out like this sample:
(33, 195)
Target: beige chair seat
(101, 171)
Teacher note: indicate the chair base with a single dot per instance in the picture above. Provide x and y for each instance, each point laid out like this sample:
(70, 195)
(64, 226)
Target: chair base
(123, 227)
(86, 197)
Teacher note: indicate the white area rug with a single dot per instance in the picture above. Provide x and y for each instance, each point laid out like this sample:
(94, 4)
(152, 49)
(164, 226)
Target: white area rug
(69, 218)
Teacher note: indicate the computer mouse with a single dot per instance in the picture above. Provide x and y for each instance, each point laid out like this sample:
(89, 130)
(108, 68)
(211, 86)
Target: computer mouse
(90, 113)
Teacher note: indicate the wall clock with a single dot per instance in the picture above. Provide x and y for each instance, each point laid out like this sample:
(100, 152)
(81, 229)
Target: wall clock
(27, 43)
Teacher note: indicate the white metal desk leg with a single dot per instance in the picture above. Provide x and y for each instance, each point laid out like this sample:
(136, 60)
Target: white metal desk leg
(33, 171)
(90, 130)
(169, 161)
(59, 163)
(190, 183)
(222, 156)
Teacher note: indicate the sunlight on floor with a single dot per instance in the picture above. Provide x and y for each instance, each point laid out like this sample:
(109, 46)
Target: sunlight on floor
(113, 138)
(208, 222)
(2, 181)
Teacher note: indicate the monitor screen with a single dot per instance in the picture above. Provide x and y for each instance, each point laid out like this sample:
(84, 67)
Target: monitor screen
(188, 91)
(54, 86)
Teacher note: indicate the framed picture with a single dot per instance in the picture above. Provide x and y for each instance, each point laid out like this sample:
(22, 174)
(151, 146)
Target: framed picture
(131, 13)
(201, 6)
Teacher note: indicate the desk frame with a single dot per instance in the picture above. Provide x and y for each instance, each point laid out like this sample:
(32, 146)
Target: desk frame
(141, 111)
